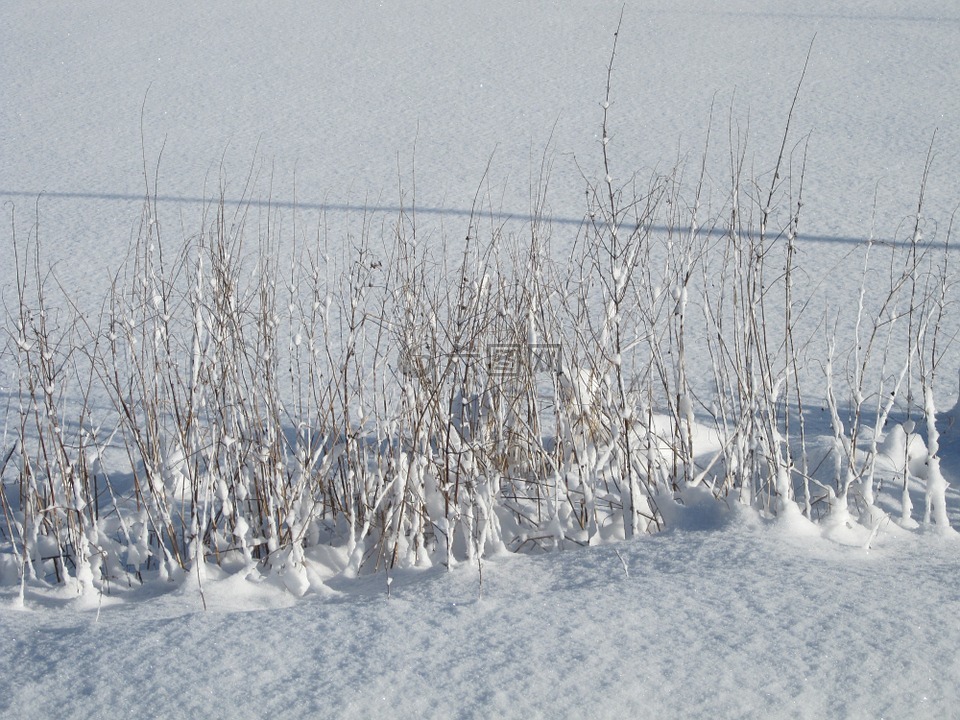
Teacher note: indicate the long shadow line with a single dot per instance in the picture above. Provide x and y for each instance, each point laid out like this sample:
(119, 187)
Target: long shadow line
(396, 209)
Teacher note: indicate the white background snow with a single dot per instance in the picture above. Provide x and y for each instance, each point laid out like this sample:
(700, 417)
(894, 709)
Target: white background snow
(341, 105)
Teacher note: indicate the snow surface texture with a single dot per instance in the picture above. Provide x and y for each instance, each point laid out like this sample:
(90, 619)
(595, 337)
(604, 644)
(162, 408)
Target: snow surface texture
(338, 103)
(722, 615)
(746, 619)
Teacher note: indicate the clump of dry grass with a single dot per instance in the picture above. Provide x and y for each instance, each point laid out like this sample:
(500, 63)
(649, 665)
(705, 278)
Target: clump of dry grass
(415, 404)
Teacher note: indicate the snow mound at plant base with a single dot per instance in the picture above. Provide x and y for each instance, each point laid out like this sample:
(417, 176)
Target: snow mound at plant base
(746, 619)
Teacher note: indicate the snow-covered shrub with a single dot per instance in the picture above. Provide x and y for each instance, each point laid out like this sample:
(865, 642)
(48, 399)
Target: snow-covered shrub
(248, 396)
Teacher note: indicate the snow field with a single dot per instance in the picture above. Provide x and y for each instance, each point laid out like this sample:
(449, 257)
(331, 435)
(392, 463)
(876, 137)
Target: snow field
(745, 618)
(196, 473)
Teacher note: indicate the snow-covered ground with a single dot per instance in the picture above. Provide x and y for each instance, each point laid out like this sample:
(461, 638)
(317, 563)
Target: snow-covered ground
(736, 618)
(369, 105)
(731, 617)
(332, 106)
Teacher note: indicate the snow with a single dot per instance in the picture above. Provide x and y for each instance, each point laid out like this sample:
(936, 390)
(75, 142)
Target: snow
(355, 111)
(739, 618)
(330, 107)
